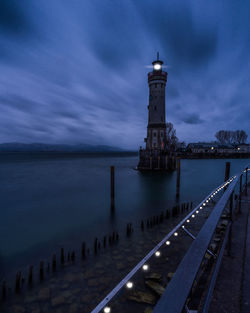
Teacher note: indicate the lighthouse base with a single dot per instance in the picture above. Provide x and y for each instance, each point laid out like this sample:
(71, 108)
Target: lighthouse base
(156, 160)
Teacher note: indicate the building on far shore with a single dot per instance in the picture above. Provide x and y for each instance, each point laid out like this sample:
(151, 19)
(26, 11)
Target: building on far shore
(216, 148)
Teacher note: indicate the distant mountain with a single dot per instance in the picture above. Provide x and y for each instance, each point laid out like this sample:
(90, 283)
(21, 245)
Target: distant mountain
(43, 147)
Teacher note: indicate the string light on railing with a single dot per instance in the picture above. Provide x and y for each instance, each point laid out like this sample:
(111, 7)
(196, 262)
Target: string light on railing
(129, 284)
(157, 253)
(143, 266)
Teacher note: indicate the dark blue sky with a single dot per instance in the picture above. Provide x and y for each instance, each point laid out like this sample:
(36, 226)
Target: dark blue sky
(76, 71)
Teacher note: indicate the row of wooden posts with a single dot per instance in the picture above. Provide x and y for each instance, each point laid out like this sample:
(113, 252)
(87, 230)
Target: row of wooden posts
(98, 244)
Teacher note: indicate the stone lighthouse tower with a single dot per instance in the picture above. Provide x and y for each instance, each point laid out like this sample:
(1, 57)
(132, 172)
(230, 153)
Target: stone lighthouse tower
(157, 155)
(156, 130)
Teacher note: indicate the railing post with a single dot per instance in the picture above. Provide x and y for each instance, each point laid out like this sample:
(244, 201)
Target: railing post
(240, 193)
(231, 206)
(178, 181)
(112, 186)
(230, 230)
(246, 181)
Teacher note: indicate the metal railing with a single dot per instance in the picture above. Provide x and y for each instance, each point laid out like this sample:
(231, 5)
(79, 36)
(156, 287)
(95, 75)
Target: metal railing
(175, 296)
(185, 274)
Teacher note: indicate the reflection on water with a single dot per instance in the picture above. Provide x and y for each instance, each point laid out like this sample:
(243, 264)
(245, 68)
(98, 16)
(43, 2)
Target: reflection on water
(48, 203)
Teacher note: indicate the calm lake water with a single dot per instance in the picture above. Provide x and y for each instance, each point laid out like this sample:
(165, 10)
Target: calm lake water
(47, 202)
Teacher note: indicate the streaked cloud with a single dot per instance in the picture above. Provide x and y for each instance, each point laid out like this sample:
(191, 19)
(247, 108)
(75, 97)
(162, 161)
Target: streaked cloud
(76, 71)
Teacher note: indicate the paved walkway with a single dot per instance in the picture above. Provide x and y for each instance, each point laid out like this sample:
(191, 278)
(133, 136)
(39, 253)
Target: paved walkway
(232, 291)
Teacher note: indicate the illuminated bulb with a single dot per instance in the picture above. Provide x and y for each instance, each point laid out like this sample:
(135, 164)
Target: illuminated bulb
(204, 204)
(207, 201)
(193, 216)
(157, 253)
(157, 66)
(107, 309)
(183, 226)
(188, 221)
(129, 284)
(167, 242)
(175, 234)
(145, 267)
(200, 207)
(197, 211)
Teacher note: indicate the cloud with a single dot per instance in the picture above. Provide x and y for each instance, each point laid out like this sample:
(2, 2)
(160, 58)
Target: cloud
(193, 119)
(74, 71)
(13, 18)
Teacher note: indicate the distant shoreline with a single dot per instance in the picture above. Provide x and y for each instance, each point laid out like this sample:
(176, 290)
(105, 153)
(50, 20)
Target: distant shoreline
(67, 153)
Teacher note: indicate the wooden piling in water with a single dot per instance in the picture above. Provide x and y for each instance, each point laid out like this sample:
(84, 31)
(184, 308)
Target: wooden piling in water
(73, 256)
(62, 256)
(161, 217)
(112, 186)
(18, 280)
(227, 173)
(54, 262)
(178, 180)
(142, 225)
(83, 250)
(30, 276)
(95, 246)
(41, 271)
(4, 291)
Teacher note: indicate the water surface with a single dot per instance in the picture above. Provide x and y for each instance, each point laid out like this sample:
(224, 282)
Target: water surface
(49, 202)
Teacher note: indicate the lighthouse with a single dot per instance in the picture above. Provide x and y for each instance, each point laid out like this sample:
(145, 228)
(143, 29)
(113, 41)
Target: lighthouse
(157, 155)
(156, 130)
